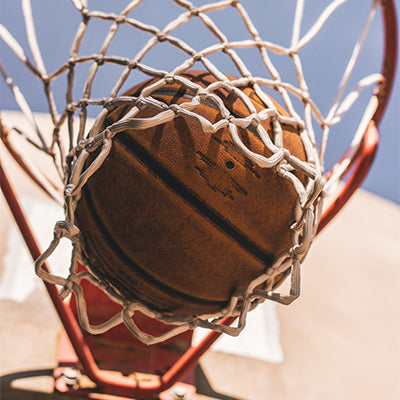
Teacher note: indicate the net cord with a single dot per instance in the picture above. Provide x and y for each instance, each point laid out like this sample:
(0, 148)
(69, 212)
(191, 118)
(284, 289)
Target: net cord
(310, 196)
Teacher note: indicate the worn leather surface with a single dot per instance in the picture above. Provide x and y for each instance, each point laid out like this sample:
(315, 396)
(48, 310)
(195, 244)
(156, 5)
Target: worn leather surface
(177, 217)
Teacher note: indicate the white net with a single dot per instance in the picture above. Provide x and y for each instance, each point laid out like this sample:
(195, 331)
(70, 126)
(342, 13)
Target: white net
(72, 141)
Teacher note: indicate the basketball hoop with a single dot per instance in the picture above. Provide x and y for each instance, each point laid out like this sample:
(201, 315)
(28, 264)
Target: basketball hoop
(223, 103)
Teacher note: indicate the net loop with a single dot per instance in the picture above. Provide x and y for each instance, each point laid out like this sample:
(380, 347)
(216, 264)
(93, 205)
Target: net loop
(66, 229)
(71, 151)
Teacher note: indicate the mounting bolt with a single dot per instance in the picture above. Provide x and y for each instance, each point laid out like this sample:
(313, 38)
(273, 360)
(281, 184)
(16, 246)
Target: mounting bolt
(70, 376)
(180, 392)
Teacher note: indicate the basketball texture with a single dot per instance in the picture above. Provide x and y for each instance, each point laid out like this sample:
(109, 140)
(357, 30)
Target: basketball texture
(179, 218)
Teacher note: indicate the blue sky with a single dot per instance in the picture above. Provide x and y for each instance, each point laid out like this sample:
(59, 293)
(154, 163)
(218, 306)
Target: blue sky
(55, 36)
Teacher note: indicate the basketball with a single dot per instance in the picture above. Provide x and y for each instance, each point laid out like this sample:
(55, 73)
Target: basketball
(180, 219)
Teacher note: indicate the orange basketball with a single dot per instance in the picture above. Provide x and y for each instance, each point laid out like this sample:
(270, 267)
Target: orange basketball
(179, 218)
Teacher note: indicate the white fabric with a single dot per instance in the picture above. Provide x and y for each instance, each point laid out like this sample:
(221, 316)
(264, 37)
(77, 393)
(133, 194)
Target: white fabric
(260, 340)
(18, 279)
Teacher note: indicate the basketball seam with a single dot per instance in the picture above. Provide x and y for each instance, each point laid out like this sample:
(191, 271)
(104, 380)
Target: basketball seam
(202, 208)
(128, 261)
(218, 221)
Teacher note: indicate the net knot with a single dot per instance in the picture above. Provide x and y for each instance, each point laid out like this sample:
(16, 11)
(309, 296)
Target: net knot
(227, 46)
(201, 92)
(175, 108)
(140, 102)
(66, 290)
(234, 3)
(46, 80)
(81, 144)
(169, 79)
(286, 153)
(107, 133)
(88, 144)
(85, 14)
(230, 118)
(132, 64)
(161, 37)
(121, 19)
(93, 143)
(297, 252)
(255, 120)
(251, 81)
(71, 63)
(70, 108)
(194, 12)
(100, 60)
(197, 57)
(282, 168)
(277, 84)
(305, 96)
(65, 229)
(82, 103)
(258, 42)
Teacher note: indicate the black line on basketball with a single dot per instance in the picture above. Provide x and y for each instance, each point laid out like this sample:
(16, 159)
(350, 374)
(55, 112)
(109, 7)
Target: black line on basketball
(136, 149)
(129, 262)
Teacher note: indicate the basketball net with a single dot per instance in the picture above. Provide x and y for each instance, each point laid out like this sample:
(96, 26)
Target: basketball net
(71, 141)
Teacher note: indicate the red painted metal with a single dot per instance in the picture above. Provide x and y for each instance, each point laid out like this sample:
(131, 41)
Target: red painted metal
(106, 382)
(361, 166)
(119, 385)
(118, 349)
(367, 151)
(390, 54)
